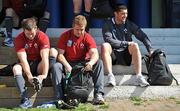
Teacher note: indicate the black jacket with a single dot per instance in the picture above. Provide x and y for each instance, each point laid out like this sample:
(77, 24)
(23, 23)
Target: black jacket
(119, 35)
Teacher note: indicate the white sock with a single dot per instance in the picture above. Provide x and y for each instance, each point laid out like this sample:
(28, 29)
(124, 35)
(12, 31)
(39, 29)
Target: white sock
(138, 74)
(110, 74)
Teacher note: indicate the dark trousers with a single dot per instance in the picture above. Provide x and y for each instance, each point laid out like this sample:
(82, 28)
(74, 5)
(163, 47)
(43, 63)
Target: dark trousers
(57, 72)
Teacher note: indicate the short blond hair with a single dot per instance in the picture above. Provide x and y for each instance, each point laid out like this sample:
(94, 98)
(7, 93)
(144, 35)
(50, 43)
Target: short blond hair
(80, 20)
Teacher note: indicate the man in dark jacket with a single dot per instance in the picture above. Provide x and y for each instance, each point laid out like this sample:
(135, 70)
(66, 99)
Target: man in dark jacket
(119, 47)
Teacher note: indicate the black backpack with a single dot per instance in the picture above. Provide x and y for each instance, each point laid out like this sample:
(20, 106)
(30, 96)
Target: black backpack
(158, 70)
(78, 85)
(7, 70)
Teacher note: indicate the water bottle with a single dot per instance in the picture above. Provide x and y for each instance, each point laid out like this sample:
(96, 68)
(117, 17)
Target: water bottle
(68, 75)
(46, 106)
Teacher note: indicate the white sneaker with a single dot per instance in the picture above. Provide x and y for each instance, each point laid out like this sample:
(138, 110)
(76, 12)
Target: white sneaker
(141, 81)
(111, 80)
(98, 99)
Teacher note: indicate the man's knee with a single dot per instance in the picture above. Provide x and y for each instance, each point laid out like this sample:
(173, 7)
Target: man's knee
(17, 69)
(46, 15)
(134, 46)
(53, 52)
(9, 12)
(105, 47)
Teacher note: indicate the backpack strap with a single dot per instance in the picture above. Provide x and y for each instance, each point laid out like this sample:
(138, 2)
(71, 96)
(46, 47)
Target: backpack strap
(157, 51)
(177, 83)
(153, 55)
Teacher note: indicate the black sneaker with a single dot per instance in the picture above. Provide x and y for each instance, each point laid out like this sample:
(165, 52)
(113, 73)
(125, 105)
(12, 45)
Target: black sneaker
(8, 42)
(2, 34)
(25, 103)
(73, 102)
(60, 104)
(37, 84)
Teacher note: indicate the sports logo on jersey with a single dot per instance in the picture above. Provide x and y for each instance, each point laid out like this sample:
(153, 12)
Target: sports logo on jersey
(81, 45)
(26, 46)
(35, 45)
(69, 43)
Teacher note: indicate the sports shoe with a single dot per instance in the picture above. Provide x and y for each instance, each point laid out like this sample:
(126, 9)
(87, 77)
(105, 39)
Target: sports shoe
(98, 99)
(8, 42)
(111, 80)
(25, 103)
(60, 104)
(37, 84)
(141, 81)
(73, 102)
(2, 34)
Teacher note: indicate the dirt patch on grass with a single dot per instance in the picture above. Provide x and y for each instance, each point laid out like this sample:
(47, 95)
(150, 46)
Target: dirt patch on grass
(137, 104)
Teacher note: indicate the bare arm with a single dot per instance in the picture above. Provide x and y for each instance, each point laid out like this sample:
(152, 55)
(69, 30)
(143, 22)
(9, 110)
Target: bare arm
(63, 60)
(77, 5)
(94, 56)
(44, 62)
(22, 56)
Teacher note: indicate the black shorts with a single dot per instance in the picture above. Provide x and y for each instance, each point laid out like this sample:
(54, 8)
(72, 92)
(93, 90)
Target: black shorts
(33, 67)
(37, 15)
(28, 14)
(122, 58)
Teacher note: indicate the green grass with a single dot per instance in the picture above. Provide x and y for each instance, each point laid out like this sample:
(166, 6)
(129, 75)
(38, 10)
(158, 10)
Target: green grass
(177, 101)
(105, 106)
(81, 107)
(172, 98)
(136, 100)
(154, 99)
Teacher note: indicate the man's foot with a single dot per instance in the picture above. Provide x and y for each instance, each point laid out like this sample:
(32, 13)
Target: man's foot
(60, 104)
(8, 42)
(73, 102)
(37, 84)
(111, 80)
(25, 103)
(98, 99)
(141, 81)
(2, 34)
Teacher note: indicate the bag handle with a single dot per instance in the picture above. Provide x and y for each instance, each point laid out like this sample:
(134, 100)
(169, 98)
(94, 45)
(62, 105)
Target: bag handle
(157, 51)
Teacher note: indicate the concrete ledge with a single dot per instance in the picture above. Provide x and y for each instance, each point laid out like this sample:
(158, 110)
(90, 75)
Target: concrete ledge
(152, 32)
(119, 69)
(164, 38)
(123, 92)
(9, 81)
(130, 80)
(12, 92)
(11, 99)
(120, 80)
